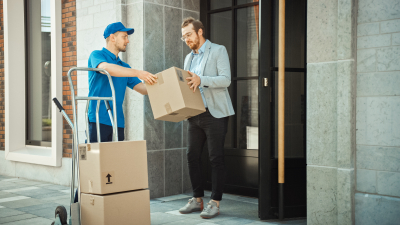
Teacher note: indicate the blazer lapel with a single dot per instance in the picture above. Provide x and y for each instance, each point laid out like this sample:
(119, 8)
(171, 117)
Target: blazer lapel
(205, 57)
(189, 62)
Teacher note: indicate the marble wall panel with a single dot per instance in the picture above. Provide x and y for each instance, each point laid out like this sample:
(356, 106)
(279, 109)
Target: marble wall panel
(378, 84)
(390, 26)
(367, 29)
(128, 2)
(173, 135)
(155, 1)
(322, 114)
(186, 184)
(374, 41)
(366, 181)
(366, 60)
(321, 195)
(173, 172)
(388, 183)
(378, 158)
(134, 115)
(346, 95)
(172, 35)
(388, 59)
(396, 39)
(345, 196)
(322, 19)
(174, 3)
(378, 121)
(377, 10)
(154, 38)
(135, 50)
(375, 209)
(346, 29)
(185, 130)
(193, 5)
(156, 170)
(153, 129)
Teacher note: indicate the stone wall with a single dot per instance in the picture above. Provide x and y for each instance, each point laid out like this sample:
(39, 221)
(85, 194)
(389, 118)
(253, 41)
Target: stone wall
(377, 200)
(166, 141)
(331, 85)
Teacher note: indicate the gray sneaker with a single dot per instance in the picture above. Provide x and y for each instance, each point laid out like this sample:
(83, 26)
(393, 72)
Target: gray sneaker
(210, 211)
(192, 206)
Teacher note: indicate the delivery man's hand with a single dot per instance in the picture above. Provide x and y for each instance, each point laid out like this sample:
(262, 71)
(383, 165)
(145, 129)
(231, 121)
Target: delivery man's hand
(194, 81)
(147, 77)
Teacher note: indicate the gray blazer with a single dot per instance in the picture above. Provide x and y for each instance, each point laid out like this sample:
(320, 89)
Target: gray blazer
(215, 79)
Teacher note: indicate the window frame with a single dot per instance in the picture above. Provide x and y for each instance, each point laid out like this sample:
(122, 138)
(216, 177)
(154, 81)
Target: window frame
(15, 96)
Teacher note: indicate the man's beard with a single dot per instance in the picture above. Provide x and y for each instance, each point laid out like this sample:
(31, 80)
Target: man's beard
(195, 43)
(120, 49)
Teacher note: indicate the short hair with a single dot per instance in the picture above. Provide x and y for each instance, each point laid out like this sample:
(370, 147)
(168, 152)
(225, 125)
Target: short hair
(197, 24)
(108, 38)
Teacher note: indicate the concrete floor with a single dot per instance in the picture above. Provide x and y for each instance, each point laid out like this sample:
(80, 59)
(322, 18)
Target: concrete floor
(32, 202)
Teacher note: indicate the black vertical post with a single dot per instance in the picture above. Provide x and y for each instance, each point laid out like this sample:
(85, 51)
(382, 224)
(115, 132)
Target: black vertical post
(264, 118)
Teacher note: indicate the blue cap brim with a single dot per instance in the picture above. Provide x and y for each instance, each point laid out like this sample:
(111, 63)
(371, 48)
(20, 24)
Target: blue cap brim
(128, 30)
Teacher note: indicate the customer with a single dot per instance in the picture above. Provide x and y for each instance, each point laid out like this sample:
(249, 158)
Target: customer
(208, 63)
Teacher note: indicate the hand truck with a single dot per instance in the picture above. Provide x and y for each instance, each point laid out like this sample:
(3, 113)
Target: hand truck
(61, 212)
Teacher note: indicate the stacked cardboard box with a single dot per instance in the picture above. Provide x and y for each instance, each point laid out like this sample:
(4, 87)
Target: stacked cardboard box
(171, 98)
(113, 183)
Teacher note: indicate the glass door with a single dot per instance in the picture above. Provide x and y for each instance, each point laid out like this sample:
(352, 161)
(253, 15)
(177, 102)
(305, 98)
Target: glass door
(234, 24)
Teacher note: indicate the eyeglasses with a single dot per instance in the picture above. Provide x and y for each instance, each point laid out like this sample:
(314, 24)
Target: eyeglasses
(183, 38)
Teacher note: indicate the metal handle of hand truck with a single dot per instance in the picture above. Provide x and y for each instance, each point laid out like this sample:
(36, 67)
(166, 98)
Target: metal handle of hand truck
(66, 117)
(115, 128)
(109, 112)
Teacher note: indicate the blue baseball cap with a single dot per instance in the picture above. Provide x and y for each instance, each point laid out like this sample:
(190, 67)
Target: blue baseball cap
(114, 27)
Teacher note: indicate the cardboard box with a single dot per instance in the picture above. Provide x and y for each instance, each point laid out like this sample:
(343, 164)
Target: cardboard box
(122, 208)
(171, 98)
(110, 167)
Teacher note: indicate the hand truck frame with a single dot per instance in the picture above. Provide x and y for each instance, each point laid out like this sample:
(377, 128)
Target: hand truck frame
(61, 212)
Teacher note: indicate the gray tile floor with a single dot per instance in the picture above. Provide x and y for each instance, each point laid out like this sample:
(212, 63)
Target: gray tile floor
(31, 202)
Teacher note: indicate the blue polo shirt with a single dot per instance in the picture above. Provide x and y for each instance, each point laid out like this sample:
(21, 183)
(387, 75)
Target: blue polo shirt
(99, 86)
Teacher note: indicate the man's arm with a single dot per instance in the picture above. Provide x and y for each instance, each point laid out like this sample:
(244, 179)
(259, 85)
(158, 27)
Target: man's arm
(223, 79)
(141, 88)
(120, 71)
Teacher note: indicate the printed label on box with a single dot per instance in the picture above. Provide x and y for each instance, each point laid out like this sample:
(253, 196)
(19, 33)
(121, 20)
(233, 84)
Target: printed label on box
(82, 152)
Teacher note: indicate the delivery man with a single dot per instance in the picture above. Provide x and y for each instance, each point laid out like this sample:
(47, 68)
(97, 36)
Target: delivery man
(123, 76)
(208, 63)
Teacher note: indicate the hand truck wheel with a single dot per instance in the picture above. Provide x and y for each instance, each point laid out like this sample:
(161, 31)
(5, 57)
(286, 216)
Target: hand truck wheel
(62, 213)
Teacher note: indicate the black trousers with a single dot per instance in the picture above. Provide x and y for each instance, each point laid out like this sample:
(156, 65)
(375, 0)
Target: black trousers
(106, 133)
(202, 128)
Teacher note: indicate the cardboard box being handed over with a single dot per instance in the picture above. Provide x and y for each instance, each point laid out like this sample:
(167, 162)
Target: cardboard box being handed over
(171, 98)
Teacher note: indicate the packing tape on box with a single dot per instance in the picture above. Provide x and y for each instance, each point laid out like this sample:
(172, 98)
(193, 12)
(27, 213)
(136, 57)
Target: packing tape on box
(90, 186)
(168, 108)
(160, 79)
(180, 76)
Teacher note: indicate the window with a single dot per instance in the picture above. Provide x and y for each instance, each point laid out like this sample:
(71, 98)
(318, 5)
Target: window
(32, 31)
(38, 73)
